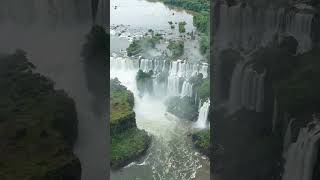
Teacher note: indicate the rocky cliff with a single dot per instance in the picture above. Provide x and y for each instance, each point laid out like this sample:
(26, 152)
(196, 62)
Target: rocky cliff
(266, 75)
(38, 124)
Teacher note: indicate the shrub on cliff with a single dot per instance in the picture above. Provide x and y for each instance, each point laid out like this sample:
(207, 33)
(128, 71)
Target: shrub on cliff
(39, 120)
(201, 140)
(140, 45)
(127, 141)
(182, 28)
(176, 48)
(144, 81)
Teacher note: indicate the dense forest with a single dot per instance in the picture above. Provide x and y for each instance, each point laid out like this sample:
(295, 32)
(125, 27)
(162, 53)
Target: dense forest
(201, 19)
(38, 124)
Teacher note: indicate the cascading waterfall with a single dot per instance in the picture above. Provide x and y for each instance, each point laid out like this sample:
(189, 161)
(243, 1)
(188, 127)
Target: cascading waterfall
(186, 89)
(242, 27)
(246, 89)
(202, 121)
(302, 154)
(179, 74)
(123, 63)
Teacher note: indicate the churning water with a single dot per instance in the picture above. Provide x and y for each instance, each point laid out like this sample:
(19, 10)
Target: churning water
(171, 155)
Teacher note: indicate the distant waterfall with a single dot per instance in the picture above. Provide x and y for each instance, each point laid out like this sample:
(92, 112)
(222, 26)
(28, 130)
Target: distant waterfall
(202, 121)
(123, 64)
(246, 89)
(242, 27)
(302, 154)
(179, 72)
(186, 89)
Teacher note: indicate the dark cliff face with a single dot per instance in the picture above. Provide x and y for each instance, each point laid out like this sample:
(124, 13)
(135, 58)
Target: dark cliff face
(38, 124)
(53, 13)
(266, 74)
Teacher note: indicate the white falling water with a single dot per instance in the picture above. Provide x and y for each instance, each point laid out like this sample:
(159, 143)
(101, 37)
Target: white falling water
(182, 70)
(245, 28)
(299, 26)
(302, 154)
(178, 71)
(287, 138)
(246, 89)
(146, 65)
(123, 63)
(186, 89)
(202, 121)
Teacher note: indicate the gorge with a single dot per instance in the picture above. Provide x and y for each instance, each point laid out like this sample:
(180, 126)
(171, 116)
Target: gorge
(265, 62)
(169, 78)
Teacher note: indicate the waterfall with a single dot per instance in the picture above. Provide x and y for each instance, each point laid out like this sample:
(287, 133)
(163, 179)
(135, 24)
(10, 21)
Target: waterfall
(235, 87)
(179, 71)
(202, 121)
(299, 26)
(287, 138)
(302, 154)
(123, 63)
(146, 65)
(246, 89)
(186, 89)
(242, 27)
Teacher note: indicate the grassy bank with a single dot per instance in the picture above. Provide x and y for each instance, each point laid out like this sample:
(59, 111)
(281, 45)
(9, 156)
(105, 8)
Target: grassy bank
(128, 143)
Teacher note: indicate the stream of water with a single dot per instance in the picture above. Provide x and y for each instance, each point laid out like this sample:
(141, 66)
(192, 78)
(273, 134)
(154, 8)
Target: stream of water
(171, 155)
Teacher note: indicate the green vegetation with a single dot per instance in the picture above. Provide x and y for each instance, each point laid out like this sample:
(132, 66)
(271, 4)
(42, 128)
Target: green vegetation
(128, 146)
(139, 45)
(201, 86)
(201, 140)
(176, 48)
(201, 19)
(193, 5)
(182, 28)
(127, 141)
(201, 22)
(134, 48)
(182, 107)
(144, 81)
(203, 90)
(38, 124)
(205, 46)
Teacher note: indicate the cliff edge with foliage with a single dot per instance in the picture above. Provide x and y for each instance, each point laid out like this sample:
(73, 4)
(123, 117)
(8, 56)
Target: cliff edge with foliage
(38, 124)
(128, 143)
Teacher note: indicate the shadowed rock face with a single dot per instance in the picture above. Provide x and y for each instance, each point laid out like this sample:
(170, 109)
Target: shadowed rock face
(52, 12)
(52, 33)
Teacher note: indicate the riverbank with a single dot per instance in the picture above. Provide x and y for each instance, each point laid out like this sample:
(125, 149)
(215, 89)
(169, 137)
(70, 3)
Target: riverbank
(128, 143)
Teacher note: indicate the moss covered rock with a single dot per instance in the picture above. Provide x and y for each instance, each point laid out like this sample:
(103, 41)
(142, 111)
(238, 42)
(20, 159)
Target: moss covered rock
(201, 141)
(127, 141)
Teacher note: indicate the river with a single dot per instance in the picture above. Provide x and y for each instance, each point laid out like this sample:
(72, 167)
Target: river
(171, 155)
